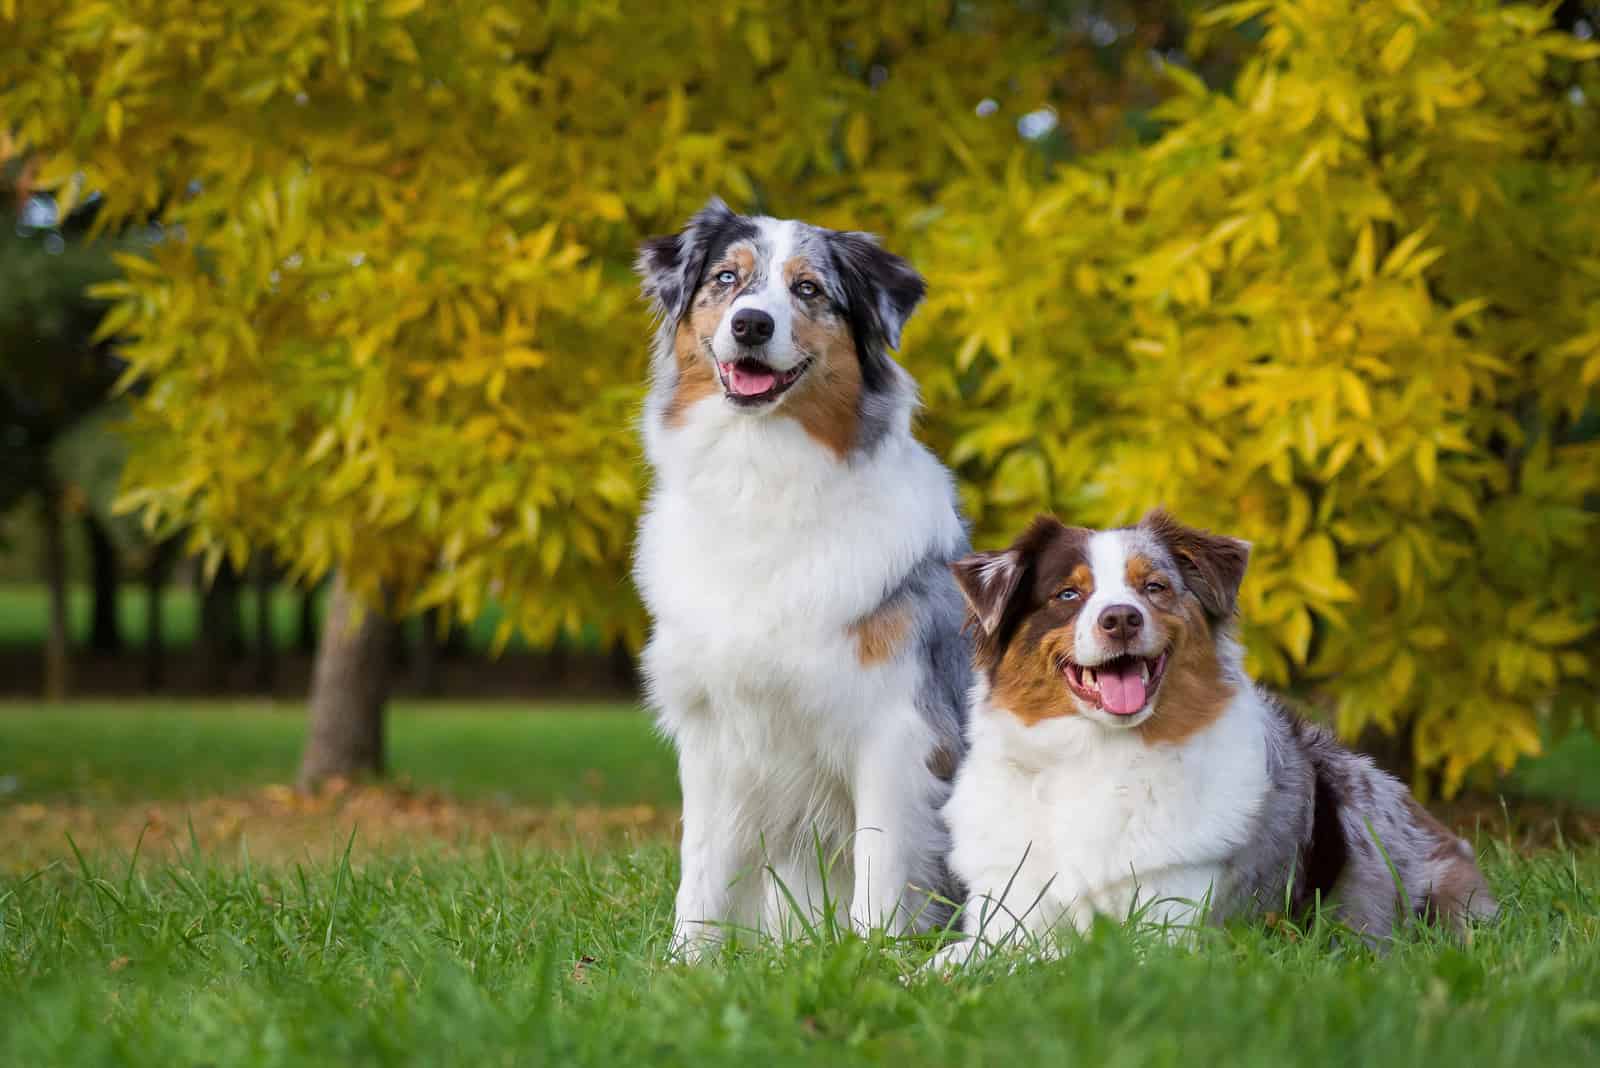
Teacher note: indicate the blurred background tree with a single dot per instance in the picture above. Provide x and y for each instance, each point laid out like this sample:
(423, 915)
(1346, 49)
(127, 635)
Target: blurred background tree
(55, 377)
(1343, 306)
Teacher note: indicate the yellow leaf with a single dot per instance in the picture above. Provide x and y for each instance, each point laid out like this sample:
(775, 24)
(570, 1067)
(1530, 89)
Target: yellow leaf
(1399, 49)
(858, 139)
(1557, 630)
(1426, 458)
(1294, 633)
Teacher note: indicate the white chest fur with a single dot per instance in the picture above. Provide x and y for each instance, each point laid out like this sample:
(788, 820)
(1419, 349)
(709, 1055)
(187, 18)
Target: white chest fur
(1107, 823)
(759, 548)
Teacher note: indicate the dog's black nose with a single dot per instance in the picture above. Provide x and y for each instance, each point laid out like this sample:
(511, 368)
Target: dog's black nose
(1121, 621)
(751, 326)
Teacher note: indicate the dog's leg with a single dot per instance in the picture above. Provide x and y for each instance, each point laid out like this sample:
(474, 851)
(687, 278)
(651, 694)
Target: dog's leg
(897, 833)
(719, 862)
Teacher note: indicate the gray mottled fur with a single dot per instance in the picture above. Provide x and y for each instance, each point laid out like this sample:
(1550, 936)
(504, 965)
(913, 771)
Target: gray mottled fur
(1330, 828)
(943, 651)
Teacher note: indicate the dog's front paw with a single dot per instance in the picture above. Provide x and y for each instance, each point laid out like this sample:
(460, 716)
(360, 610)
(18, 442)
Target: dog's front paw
(692, 942)
(952, 958)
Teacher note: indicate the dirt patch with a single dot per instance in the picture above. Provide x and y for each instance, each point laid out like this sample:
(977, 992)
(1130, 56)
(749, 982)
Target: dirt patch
(277, 824)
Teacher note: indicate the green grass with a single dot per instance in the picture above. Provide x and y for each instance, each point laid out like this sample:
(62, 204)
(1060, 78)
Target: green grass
(416, 959)
(504, 953)
(160, 750)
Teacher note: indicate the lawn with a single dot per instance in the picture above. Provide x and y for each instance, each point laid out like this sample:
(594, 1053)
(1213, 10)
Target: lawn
(522, 950)
(138, 750)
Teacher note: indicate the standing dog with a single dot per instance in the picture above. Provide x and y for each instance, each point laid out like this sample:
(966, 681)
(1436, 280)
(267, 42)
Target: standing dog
(1121, 760)
(807, 656)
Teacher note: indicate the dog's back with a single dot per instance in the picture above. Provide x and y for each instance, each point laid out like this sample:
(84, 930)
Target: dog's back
(1338, 830)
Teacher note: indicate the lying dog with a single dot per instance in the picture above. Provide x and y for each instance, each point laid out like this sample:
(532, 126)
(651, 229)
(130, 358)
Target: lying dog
(807, 655)
(1122, 761)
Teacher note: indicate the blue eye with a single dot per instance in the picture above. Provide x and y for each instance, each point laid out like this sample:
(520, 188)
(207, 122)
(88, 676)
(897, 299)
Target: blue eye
(727, 278)
(1068, 594)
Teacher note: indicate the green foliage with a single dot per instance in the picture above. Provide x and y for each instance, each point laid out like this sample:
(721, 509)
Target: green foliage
(1349, 310)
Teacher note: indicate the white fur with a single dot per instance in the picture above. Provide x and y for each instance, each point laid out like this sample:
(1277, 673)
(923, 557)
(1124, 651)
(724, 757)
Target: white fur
(1108, 561)
(1107, 823)
(757, 550)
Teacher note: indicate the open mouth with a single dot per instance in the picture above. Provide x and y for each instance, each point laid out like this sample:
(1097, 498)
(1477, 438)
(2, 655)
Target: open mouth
(1121, 685)
(751, 382)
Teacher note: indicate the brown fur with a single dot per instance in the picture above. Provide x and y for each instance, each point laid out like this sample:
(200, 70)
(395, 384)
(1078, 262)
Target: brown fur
(1025, 652)
(1193, 692)
(944, 761)
(696, 378)
(827, 401)
(879, 636)
(1028, 682)
(1457, 888)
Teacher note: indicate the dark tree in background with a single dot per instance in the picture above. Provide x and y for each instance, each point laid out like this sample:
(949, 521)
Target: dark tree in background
(54, 374)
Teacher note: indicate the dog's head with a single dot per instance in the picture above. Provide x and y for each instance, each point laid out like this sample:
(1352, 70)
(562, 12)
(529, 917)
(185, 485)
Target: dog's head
(774, 314)
(1126, 627)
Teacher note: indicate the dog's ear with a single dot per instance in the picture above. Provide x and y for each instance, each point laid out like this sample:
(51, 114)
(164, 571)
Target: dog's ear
(989, 581)
(1212, 565)
(881, 291)
(671, 266)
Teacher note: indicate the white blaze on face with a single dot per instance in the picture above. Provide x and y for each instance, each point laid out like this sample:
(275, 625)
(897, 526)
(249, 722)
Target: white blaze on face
(775, 246)
(1108, 562)
(1120, 670)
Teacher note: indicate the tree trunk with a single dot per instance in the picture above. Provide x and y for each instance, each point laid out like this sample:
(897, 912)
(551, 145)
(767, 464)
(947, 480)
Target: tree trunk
(157, 572)
(105, 636)
(430, 649)
(266, 648)
(55, 576)
(349, 688)
(306, 638)
(221, 639)
(624, 669)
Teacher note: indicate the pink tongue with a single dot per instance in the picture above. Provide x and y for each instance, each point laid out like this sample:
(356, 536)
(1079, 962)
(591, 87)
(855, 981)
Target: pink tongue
(750, 383)
(1121, 689)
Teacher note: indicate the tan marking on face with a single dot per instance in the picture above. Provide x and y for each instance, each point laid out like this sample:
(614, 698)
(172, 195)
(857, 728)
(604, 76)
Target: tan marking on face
(1193, 692)
(794, 267)
(878, 636)
(827, 400)
(1082, 580)
(740, 258)
(1028, 681)
(696, 379)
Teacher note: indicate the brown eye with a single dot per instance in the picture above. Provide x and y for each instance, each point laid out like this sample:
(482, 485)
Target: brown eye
(806, 289)
(1155, 587)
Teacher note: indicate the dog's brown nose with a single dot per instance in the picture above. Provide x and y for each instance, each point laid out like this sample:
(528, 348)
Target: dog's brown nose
(751, 326)
(1121, 621)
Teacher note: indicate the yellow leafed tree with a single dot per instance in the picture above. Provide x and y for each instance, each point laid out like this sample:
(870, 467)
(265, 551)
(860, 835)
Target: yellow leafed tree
(1348, 308)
